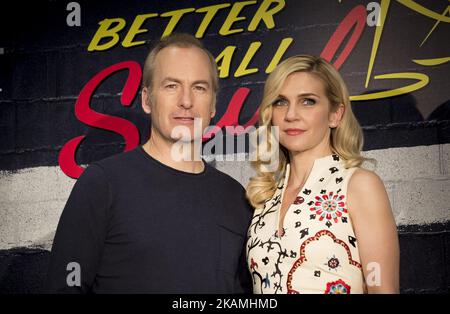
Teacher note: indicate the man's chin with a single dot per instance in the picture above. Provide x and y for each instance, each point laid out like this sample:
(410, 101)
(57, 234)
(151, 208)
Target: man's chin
(186, 140)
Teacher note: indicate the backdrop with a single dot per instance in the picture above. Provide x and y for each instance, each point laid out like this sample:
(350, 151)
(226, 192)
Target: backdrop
(69, 94)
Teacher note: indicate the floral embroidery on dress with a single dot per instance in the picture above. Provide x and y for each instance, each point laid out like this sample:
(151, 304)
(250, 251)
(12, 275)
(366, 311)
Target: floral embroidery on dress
(299, 200)
(337, 287)
(329, 207)
(334, 262)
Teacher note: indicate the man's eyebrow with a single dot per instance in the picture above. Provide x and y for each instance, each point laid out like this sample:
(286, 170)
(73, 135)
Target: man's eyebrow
(172, 79)
(201, 82)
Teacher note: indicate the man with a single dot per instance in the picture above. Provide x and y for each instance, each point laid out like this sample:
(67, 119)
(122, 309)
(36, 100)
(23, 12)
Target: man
(146, 222)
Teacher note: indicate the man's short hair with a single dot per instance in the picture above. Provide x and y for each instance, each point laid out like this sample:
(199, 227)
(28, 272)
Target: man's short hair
(180, 40)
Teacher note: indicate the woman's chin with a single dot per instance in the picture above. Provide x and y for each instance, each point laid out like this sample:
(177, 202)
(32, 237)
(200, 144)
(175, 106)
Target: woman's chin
(294, 147)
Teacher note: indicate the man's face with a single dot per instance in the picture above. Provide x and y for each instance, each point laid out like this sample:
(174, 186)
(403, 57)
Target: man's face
(182, 91)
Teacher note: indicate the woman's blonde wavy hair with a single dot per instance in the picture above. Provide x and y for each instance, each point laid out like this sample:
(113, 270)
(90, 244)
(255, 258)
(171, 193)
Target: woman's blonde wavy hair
(346, 140)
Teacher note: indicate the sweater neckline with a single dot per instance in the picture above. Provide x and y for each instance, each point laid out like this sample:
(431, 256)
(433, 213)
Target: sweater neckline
(170, 169)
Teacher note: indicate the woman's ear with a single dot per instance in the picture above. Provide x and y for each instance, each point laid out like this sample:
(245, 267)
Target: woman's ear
(145, 100)
(336, 116)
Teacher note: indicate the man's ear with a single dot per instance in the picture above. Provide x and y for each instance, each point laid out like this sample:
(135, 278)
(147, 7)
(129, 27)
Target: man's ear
(336, 116)
(145, 100)
(213, 108)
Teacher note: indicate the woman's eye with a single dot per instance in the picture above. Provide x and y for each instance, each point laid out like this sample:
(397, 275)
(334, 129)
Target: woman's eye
(309, 101)
(279, 102)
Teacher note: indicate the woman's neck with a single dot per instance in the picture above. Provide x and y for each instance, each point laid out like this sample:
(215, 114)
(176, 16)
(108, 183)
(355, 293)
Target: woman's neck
(301, 164)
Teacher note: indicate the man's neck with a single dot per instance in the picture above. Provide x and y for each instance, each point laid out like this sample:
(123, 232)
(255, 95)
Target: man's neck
(161, 150)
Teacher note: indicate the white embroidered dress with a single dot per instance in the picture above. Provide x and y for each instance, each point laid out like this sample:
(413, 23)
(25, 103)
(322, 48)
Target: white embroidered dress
(317, 251)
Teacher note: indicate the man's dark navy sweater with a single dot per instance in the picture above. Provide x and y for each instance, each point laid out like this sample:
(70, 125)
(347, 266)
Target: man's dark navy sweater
(135, 225)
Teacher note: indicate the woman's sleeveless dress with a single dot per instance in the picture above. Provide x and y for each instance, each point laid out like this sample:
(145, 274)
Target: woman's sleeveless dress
(317, 252)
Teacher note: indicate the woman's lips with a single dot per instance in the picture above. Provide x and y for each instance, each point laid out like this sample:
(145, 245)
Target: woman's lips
(294, 132)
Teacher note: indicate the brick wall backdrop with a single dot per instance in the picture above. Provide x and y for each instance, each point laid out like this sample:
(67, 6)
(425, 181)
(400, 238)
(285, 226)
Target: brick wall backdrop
(44, 64)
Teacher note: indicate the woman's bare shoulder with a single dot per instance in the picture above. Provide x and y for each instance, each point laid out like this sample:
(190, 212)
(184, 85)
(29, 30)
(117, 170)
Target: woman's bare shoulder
(364, 180)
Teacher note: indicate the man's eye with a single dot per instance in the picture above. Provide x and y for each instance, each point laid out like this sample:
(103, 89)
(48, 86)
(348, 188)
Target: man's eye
(308, 101)
(279, 102)
(171, 86)
(200, 88)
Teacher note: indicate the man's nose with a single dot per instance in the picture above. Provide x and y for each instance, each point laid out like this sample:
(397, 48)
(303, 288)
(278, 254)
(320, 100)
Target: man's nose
(186, 98)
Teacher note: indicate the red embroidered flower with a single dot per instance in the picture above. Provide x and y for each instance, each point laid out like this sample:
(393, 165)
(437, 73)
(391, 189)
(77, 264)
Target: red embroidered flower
(337, 287)
(299, 200)
(329, 206)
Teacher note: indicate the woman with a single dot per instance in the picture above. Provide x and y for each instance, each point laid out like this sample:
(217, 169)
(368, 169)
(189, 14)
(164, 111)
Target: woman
(321, 223)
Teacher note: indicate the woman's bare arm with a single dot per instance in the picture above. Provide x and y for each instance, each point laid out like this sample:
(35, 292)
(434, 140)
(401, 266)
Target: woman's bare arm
(375, 230)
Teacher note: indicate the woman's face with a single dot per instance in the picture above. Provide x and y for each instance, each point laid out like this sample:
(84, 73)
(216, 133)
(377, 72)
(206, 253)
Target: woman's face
(302, 113)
